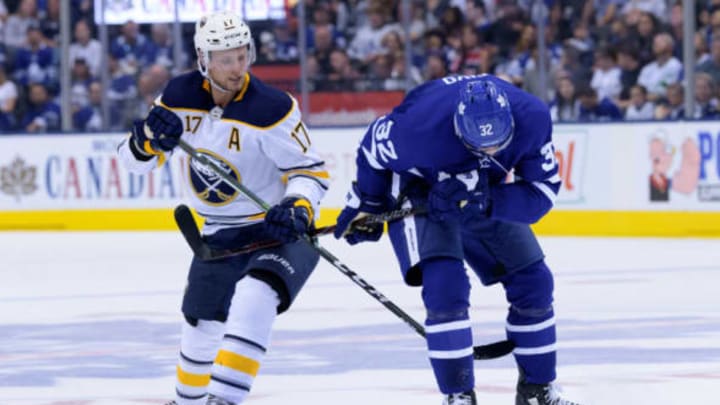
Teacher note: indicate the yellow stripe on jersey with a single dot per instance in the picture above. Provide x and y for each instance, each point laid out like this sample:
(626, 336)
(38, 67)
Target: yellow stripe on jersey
(237, 362)
(173, 109)
(192, 380)
(242, 91)
(320, 175)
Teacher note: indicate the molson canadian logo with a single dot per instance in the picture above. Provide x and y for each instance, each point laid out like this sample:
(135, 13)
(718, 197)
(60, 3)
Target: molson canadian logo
(18, 179)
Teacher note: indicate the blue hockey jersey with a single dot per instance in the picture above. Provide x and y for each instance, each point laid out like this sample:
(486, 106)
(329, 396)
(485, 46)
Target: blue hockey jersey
(418, 138)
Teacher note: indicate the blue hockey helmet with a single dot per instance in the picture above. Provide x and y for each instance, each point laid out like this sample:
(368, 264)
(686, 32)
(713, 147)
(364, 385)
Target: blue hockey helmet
(483, 120)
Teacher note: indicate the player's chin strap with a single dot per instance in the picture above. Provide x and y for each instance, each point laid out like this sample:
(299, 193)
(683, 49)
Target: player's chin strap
(489, 351)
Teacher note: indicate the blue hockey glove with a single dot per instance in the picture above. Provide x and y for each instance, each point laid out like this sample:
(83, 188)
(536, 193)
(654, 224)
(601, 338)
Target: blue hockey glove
(289, 219)
(450, 199)
(445, 199)
(356, 205)
(160, 131)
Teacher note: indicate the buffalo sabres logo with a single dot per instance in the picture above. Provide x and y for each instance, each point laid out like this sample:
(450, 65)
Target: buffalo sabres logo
(207, 185)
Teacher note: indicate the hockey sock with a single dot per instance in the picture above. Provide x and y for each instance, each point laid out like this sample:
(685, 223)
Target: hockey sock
(531, 322)
(198, 347)
(446, 291)
(252, 313)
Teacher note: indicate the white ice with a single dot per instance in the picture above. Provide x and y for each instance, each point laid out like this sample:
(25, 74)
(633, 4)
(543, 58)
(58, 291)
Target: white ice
(93, 319)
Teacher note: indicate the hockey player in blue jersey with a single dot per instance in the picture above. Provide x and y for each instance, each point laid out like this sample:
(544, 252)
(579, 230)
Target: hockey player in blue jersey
(253, 132)
(477, 154)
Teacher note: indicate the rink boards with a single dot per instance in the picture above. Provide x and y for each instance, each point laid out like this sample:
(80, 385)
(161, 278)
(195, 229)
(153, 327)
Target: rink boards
(643, 179)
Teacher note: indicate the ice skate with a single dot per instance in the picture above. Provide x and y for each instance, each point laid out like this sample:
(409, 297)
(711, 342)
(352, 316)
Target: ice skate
(463, 398)
(539, 394)
(213, 400)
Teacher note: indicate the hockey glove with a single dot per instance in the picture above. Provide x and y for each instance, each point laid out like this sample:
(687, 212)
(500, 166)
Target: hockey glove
(289, 219)
(160, 132)
(450, 199)
(358, 204)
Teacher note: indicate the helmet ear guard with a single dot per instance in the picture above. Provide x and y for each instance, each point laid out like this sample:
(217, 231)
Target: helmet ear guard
(220, 31)
(483, 120)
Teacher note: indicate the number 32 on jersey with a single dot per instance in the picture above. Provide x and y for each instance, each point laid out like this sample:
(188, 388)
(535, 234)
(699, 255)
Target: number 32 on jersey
(382, 147)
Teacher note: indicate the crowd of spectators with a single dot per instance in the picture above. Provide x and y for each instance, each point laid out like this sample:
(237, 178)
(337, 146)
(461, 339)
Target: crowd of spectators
(606, 59)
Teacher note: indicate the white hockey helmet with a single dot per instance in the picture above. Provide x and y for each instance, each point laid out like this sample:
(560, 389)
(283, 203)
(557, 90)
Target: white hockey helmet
(220, 31)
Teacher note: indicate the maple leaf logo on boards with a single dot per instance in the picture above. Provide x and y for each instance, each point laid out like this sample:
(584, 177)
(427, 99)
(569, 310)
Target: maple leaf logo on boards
(18, 179)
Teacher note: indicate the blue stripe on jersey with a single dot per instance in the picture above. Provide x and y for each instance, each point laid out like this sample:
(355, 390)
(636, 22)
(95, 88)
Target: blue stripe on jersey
(282, 169)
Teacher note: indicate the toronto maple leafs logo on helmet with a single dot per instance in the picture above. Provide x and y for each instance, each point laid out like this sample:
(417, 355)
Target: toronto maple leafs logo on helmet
(208, 185)
(483, 119)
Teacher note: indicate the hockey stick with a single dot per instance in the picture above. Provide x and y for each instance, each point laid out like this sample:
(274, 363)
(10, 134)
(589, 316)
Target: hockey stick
(490, 351)
(189, 229)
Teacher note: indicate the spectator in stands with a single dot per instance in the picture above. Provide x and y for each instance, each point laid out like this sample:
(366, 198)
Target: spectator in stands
(435, 67)
(86, 47)
(599, 14)
(451, 21)
(379, 71)
(630, 67)
(712, 65)
(324, 46)
(322, 18)
(89, 117)
(646, 28)
(49, 19)
(505, 31)
(129, 47)
(606, 74)
(150, 84)
(633, 8)
(159, 49)
(3, 17)
(706, 102)
(566, 106)
(367, 42)
(342, 75)
(672, 107)
(122, 94)
(80, 79)
(702, 52)
(36, 62)
(8, 101)
(664, 70)
(43, 115)
(286, 48)
(640, 107)
(594, 109)
(17, 24)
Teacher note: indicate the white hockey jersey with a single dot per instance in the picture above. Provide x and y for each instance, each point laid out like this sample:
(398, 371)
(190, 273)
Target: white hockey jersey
(259, 139)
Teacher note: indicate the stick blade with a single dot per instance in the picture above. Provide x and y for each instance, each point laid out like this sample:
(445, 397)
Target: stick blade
(493, 350)
(188, 227)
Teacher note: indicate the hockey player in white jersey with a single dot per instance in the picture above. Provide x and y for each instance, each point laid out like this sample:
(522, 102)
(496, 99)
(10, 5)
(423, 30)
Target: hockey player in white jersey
(255, 134)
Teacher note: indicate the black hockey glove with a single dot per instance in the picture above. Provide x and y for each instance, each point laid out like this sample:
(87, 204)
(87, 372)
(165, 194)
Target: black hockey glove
(289, 219)
(160, 131)
(356, 205)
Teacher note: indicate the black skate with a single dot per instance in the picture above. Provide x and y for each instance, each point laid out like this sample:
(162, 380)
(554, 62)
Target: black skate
(463, 398)
(171, 402)
(539, 394)
(213, 400)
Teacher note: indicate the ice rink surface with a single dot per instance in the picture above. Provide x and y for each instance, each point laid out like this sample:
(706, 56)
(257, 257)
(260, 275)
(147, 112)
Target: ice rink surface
(93, 319)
